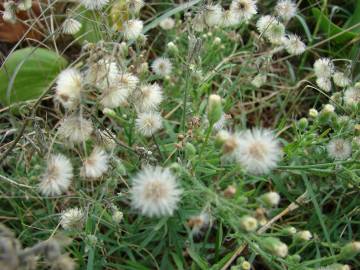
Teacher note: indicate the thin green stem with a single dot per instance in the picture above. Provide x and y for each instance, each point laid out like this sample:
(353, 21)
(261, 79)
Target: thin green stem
(207, 136)
(185, 99)
(158, 147)
(321, 165)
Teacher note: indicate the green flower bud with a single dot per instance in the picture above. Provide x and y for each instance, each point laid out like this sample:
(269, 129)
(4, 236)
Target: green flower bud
(214, 112)
(109, 112)
(270, 199)
(303, 123)
(246, 265)
(172, 48)
(289, 230)
(176, 167)
(327, 114)
(303, 236)
(313, 113)
(336, 97)
(248, 223)
(350, 250)
(117, 216)
(274, 246)
(294, 258)
(120, 167)
(190, 149)
(337, 266)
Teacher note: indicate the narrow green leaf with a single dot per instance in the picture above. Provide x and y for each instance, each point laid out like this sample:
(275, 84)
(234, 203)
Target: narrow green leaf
(89, 30)
(170, 13)
(355, 18)
(177, 260)
(219, 239)
(332, 29)
(198, 260)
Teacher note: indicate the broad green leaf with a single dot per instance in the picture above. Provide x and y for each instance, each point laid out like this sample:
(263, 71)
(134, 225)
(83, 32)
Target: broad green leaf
(332, 29)
(27, 73)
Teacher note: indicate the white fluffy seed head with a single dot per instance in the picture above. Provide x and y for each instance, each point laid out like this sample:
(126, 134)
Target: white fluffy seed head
(72, 218)
(155, 192)
(102, 73)
(135, 5)
(313, 113)
(149, 97)
(24, 5)
(259, 80)
(117, 216)
(281, 250)
(132, 29)
(167, 23)
(71, 26)
(328, 108)
(57, 177)
(248, 223)
(271, 198)
(323, 67)
(259, 151)
(198, 22)
(113, 93)
(339, 149)
(9, 16)
(352, 96)
(245, 9)
(128, 80)
(275, 33)
(264, 22)
(117, 88)
(96, 164)
(286, 9)
(148, 123)
(222, 136)
(106, 138)
(75, 129)
(213, 15)
(114, 96)
(275, 246)
(162, 66)
(303, 235)
(199, 223)
(294, 45)
(324, 83)
(107, 77)
(230, 18)
(341, 80)
(231, 145)
(68, 87)
(94, 4)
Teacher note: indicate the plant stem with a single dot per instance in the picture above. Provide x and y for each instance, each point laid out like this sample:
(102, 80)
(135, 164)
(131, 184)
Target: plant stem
(207, 136)
(321, 165)
(158, 147)
(185, 99)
